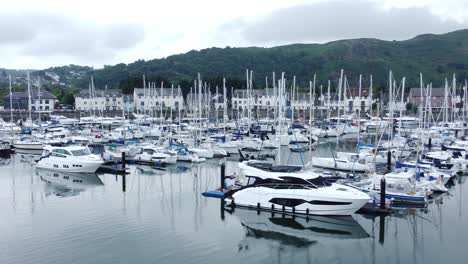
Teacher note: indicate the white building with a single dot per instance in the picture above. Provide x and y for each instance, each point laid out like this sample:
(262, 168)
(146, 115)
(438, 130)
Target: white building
(152, 99)
(103, 100)
(259, 98)
(351, 102)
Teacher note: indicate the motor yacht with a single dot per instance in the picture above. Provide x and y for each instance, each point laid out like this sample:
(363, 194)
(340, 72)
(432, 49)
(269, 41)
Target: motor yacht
(69, 159)
(292, 189)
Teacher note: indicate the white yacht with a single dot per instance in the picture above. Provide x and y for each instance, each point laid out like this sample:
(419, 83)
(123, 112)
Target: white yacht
(63, 120)
(292, 189)
(69, 159)
(156, 154)
(28, 143)
(343, 162)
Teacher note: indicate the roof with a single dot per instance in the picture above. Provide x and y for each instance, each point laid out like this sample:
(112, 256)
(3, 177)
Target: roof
(157, 91)
(435, 92)
(34, 95)
(101, 93)
(253, 92)
(355, 92)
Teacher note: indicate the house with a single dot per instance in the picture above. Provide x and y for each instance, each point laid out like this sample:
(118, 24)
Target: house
(107, 99)
(351, 102)
(437, 96)
(259, 98)
(155, 98)
(40, 101)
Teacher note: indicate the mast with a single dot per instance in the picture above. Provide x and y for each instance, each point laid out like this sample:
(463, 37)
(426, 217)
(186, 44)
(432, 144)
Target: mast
(370, 97)
(216, 106)
(292, 99)
(340, 85)
(161, 103)
(328, 105)
(446, 102)
(39, 100)
(390, 104)
(247, 91)
(224, 102)
(310, 103)
(11, 100)
(91, 95)
(464, 100)
(267, 99)
(313, 99)
(179, 104)
(359, 108)
(29, 99)
(172, 99)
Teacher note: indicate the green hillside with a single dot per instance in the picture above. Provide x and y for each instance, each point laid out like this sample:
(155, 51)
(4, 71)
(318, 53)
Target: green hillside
(435, 56)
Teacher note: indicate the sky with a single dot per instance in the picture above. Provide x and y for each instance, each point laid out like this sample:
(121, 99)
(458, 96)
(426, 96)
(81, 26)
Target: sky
(40, 34)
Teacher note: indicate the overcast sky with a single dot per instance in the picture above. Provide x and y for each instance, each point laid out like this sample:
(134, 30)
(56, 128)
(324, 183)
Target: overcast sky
(40, 34)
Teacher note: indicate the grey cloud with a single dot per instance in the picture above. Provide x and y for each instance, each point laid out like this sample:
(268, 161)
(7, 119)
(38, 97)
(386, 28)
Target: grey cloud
(337, 20)
(43, 35)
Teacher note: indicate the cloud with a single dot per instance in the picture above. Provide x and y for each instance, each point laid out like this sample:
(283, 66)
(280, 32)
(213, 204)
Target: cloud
(46, 35)
(333, 20)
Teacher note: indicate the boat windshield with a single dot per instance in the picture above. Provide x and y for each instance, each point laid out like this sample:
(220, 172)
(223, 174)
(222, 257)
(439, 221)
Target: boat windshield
(81, 152)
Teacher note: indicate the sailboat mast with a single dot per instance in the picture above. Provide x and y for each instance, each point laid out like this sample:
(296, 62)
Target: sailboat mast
(11, 99)
(29, 98)
(359, 108)
(39, 100)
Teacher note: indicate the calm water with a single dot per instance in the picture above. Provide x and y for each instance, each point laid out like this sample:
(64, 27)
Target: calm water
(162, 218)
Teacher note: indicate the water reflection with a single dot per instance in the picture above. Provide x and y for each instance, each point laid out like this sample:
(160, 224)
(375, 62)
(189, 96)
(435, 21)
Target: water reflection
(297, 231)
(67, 184)
(28, 155)
(5, 161)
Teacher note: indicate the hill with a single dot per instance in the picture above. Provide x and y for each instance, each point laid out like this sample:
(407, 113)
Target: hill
(435, 56)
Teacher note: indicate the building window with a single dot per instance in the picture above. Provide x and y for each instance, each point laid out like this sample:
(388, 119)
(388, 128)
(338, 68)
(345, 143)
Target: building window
(47, 101)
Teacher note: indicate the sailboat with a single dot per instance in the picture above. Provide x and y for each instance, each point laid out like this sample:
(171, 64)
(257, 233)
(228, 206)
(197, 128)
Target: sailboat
(28, 143)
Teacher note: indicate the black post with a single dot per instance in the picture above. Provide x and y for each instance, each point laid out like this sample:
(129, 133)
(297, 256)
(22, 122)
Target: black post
(389, 160)
(382, 229)
(222, 209)
(382, 193)
(258, 208)
(223, 175)
(430, 143)
(124, 183)
(123, 160)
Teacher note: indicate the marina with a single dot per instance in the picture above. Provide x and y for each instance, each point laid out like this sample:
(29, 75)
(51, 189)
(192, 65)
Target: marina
(160, 216)
(188, 186)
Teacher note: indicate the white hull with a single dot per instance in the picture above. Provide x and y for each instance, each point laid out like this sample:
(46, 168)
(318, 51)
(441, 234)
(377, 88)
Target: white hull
(68, 166)
(33, 146)
(338, 164)
(333, 200)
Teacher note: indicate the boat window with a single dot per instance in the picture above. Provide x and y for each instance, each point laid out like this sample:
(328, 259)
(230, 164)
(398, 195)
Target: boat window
(81, 152)
(287, 201)
(329, 203)
(320, 182)
(149, 151)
